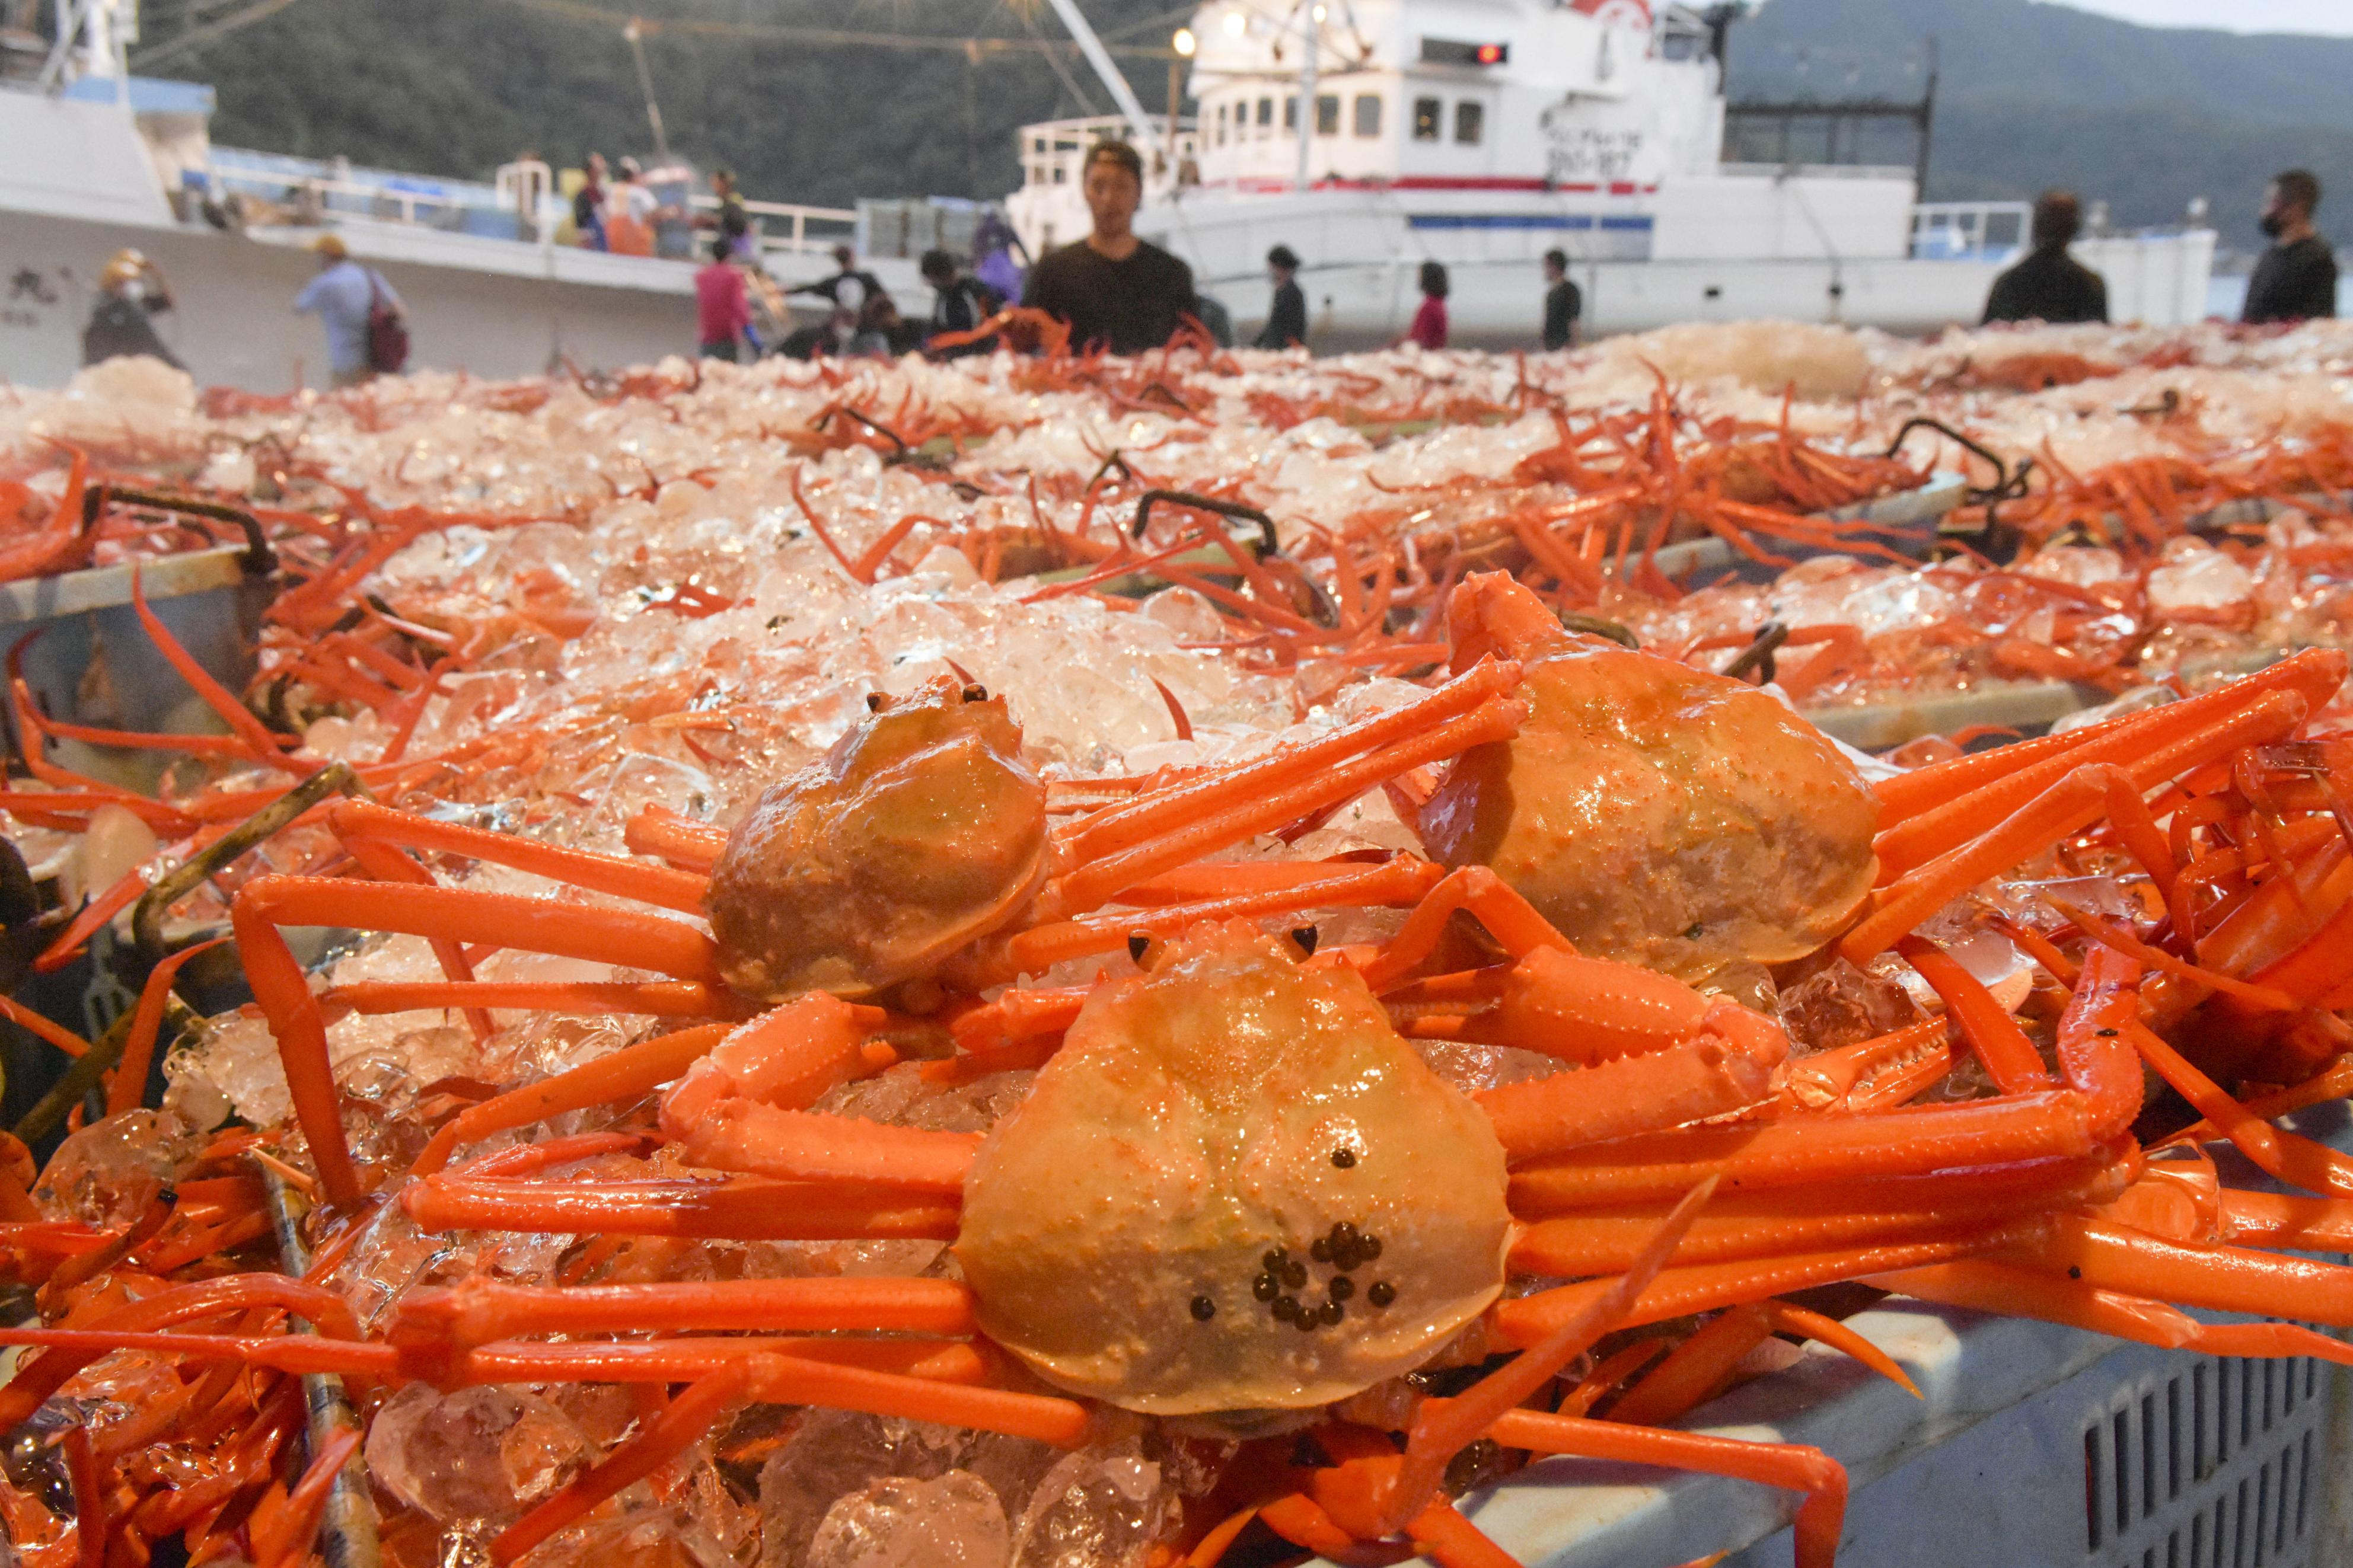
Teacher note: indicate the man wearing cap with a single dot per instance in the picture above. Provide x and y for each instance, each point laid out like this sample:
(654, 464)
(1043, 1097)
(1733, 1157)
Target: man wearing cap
(1116, 290)
(341, 296)
(130, 292)
(1286, 316)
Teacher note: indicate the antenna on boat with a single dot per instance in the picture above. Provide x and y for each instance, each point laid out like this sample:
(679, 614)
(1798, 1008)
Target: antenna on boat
(1138, 123)
(636, 33)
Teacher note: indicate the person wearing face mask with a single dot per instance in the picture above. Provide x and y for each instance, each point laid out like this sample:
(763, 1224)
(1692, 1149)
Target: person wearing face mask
(1114, 288)
(2295, 280)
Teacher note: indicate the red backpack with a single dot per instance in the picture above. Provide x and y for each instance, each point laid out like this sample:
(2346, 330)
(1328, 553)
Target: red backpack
(387, 333)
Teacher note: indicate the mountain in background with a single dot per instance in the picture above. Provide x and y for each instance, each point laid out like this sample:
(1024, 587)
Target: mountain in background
(2029, 95)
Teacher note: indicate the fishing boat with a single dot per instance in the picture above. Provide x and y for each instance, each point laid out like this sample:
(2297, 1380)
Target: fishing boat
(94, 160)
(1482, 134)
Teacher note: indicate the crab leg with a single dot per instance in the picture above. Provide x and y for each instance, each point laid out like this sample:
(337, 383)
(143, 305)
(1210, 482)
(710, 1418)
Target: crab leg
(1772, 1224)
(477, 1311)
(1990, 1287)
(743, 1208)
(2220, 1279)
(1793, 1466)
(358, 822)
(1729, 1067)
(1132, 843)
(1933, 810)
(662, 1439)
(2065, 807)
(686, 844)
(1700, 1288)
(625, 1075)
(619, 937)
(1475, 890)
(2297, 1161)
(800, 1145)
(1694, 1369)
(2010, 1057)
(1039, 948)
(652, 999)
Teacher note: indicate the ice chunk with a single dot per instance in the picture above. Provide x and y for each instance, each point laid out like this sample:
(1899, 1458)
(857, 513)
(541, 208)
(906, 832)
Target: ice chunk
(835, 1454)
(1099, 1508)
(1839, 1005)
(955, 1522)
(105, 1173)
(479, 1454)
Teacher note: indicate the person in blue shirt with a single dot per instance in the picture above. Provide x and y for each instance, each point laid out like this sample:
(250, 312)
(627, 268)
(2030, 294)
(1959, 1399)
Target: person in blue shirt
(340, 297)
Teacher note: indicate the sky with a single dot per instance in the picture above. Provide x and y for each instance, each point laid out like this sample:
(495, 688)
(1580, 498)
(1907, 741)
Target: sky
(2233, 15)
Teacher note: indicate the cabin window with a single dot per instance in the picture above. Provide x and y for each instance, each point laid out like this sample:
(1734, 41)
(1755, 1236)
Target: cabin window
(1327, 115)
(1290, 115)
(1060, 174)
(1265, 115)
(1469, 121)
(1221, 125)
(1429, 114)
(1368, 114)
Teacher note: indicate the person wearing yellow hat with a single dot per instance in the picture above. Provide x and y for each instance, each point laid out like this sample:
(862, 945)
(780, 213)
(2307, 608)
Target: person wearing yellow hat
(357, 307)
(130, 292)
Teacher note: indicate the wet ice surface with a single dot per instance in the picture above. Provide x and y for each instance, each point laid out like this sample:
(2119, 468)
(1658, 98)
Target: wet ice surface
(669, 629)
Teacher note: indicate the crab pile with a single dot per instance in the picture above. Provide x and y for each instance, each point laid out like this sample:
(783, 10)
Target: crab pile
(1061, 960)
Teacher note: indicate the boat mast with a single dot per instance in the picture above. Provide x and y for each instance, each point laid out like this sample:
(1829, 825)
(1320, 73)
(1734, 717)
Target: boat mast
(1314, 33)
(1139, 123)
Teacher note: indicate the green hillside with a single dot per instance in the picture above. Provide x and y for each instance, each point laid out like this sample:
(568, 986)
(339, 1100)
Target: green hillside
(2030, 94)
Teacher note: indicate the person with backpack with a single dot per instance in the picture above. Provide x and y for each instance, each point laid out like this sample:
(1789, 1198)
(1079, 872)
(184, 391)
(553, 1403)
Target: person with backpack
(366, 325)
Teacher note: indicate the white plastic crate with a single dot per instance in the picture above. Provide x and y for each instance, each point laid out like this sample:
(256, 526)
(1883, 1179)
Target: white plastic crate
(2033, 1446)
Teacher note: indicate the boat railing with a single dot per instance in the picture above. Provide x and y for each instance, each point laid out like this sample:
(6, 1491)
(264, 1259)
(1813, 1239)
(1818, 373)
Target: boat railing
(1969, 231)
(1054, 152)
(804, 229)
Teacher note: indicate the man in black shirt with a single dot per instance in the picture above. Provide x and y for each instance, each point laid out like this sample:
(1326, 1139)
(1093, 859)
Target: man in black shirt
(1115, 290)
(959, 304)
(1563, 303)
(2050, 285)
(1286, 316)
(846, 259)
(2297, 278)
(130, 292)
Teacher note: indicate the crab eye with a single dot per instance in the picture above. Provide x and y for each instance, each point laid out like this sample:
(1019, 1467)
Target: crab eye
(975, 693)
(1306, 937)
(876, 701)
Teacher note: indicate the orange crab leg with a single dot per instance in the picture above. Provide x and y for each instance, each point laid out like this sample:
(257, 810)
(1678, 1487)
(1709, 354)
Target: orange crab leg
(662, 1439)
(2297, 1161)
(620, 937)
(2010, 1057)
(625, 1075)
(1694, 1370)
(1989, 1286)
(288, 1541)
(2221, 1279)
(1034, 951)
(1793, 1466)
(477, 1311)
(1726, 1069)
(361, 821)
(652, 999)
(1439, 1434)
(743, 1208)
(1969, 789)
(1682, 1291)
(1475, 890)
(260, 743)
(2066, 808)
(800, 1145)
(130, 1086)
(1585, 1243)
(686, 844)
(1129, 844)
(1828, 1079)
